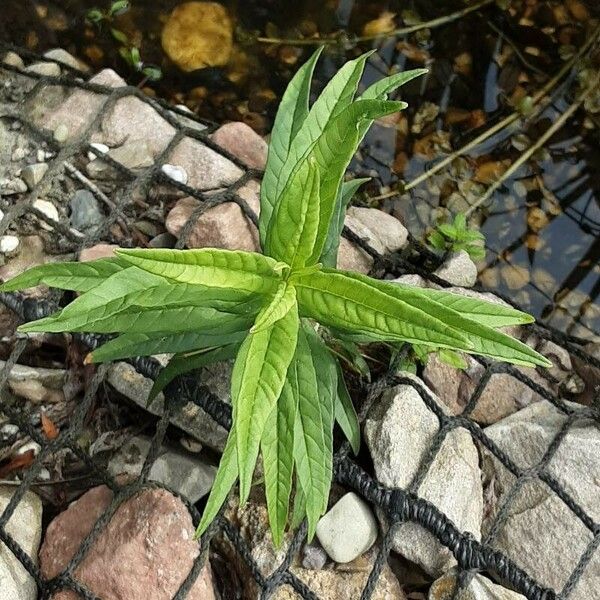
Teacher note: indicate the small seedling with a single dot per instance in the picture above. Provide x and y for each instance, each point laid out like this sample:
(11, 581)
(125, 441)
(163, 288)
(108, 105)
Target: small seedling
(458, 236)
(209, 305)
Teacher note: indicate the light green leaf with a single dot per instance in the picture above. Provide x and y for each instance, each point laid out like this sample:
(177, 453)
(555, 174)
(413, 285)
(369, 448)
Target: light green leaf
(282, 302)
(332, 241)
(480, 339)
(161, 342)
(345, 414)
(76, 276)
(452, 358)
(208, 266)
(299, 510)
(162, 307)
(487, 313)
(291, 114)
(380, 89)
(256, 382)
(313, 437)
(224, 481)
(344, 301)
(295, 223)
(190, 361)
(277, 446)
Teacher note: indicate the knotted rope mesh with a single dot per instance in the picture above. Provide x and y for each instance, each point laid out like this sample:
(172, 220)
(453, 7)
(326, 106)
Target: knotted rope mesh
(398, 505)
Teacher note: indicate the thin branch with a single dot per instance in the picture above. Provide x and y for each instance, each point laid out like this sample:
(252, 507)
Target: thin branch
(368, 38)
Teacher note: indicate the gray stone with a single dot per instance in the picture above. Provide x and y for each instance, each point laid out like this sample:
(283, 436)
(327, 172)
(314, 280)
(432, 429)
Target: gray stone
(9, 245)
(163, 240)
(12, 186)
(85, 211)
(379, 229)
(61, 133)
(348, 529)
(14, 60)
(32, 174)
(36, 384)
(191, 418)
(479, 588)
(25, 527)
(179, 471)
(458, 270)
(399, 431)
(589, 373)
(539, 527)
(352, 258)
(62, 56)
(313, 557)
(177, 174)
(45, 69)
(49, 210)
(135, 155)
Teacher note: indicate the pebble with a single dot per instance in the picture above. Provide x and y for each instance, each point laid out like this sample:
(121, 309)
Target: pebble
(341, 542)
(458, 270)
(9, 244)
(32, 174)
(62, 56)
(163, 240)
(49, 210)
(313, 557)
(61, 133)
(176, 173)
(30, 446)
(45, 69)
(13, 186)
(14, 60)
(9, 429)
(18, 154)
(103, 148)
(97, 251)
(135, 155)
(85, 211)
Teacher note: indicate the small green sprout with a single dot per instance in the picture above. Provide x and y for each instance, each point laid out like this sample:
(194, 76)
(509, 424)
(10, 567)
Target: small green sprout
(458, 236)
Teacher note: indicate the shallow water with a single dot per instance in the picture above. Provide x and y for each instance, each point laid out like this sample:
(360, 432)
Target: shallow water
(541, 225)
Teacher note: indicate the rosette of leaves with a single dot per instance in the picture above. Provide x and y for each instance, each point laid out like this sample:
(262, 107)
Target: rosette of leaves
(271, 311)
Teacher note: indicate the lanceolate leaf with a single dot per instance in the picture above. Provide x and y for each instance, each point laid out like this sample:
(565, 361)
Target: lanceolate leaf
(336, 226)
(380, 89)
(190, 361)
(481, 339)
(295, 223)
(128, 345)
(345, 414)
(224, 481)
(278, 456)
(340, 300)
(256, 382)
(291, 114)
(76, 276)
(316, 376)
(283, 301)
(209, 266)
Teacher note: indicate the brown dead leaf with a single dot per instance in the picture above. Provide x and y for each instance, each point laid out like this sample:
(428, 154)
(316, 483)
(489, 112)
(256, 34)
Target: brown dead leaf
(490, 171)
(20, 461)
(49, 427)
(414, 53)
(381, 25)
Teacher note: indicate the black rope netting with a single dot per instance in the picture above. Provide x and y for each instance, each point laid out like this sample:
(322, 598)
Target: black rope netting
(398, 505)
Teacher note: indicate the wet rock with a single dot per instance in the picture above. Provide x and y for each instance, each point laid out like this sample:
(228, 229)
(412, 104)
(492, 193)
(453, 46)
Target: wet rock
(25, 527)
(380, 230)
(206, 169)
(399, 431)
(190, 418)
(479, 588)
(48, 210)
(198, 35)
(342, 542)
(502, 396)
(45, 69)
(85, 211)
(539, 526)
(340, 582)
(135, 155)
(145, 552)
(589, 374)
(458, 270)
(97, 251)
(223, 226)
(32, 174)
(243, 142)
(179, 471)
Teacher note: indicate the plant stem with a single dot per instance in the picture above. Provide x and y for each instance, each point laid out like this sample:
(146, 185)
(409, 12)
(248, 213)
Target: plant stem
(394, 33)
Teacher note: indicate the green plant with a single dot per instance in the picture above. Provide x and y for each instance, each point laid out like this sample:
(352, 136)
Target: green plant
(271, 312)
(458, 236)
